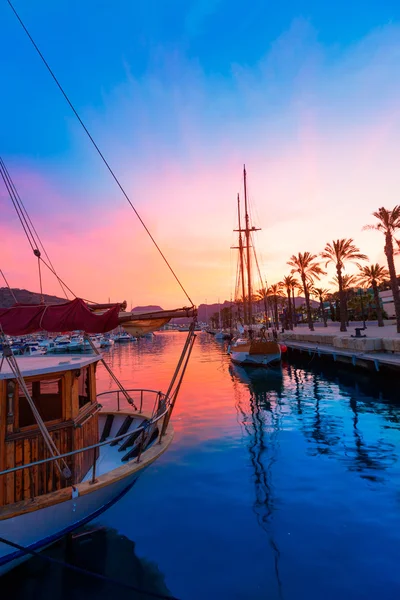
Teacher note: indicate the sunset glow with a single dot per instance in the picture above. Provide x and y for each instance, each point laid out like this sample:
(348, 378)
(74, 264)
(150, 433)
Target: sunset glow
(314, 116)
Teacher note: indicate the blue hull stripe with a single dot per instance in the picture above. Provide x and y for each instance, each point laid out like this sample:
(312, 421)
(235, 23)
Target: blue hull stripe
(52, 538)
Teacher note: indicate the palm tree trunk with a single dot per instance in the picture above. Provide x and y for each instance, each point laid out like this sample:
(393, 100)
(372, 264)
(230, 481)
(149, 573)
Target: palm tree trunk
(276, 312)
(321, 303)
(393, 277)
(290, 309)
(377, 304)
(294, 309)
(308, 306)
(342, 297)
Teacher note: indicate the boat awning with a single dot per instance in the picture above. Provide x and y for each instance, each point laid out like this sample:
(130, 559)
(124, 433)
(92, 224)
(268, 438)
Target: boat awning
(69, 316)
(76, 315)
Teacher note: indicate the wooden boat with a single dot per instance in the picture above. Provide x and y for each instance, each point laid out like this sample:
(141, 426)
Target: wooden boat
(252, 347)
(93, 458)
(64, 460)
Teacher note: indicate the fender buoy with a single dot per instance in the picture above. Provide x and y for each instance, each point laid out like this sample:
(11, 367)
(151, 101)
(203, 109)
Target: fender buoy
(283, 348)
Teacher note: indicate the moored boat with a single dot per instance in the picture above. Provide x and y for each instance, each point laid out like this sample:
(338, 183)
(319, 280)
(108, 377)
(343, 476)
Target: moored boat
(63, 460)
(252, 347)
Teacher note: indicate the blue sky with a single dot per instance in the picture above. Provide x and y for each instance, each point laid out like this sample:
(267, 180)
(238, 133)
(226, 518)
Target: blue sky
(95, 45)
(178, 95)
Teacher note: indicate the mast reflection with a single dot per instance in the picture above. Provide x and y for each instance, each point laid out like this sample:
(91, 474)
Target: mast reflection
(259, 417)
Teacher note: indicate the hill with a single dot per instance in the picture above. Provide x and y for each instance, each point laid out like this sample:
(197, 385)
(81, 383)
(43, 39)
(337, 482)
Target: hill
(25, 297)
(28, 297)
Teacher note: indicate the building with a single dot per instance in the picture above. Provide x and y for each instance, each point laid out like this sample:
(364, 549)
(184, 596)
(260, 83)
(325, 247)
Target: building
(387, 303)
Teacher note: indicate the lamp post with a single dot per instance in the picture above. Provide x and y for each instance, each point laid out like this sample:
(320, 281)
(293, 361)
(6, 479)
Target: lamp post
(362, 308)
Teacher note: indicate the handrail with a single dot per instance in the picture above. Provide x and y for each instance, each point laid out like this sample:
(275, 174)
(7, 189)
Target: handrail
(130, 390)
(94, 446)
(141, 390)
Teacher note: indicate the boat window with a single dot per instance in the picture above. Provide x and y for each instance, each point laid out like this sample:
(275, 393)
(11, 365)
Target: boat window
(84, 387)
(47, 396)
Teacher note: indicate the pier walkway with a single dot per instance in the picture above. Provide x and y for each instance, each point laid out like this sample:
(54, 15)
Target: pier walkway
(378, 350)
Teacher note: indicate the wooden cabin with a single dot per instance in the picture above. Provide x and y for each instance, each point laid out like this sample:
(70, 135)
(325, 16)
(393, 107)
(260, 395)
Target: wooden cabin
(64, 392)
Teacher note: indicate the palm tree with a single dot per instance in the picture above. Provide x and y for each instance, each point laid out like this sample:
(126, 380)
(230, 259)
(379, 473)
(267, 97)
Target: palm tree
(290, 283)
(372, 276)
(389, 222)
(275, 291)
(262, 295)
(306, 265)
(348, 281)
(322, 295)
(339, 252)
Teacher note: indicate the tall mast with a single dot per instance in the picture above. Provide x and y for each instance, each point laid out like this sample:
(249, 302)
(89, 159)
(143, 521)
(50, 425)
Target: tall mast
(241, 263)
(247, 232)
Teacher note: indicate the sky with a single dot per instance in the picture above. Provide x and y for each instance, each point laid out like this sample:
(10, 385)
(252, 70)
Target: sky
(179, 95)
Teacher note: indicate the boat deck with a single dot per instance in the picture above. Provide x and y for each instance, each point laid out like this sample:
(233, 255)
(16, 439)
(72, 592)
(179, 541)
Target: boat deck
(40, 365)
(112, 456)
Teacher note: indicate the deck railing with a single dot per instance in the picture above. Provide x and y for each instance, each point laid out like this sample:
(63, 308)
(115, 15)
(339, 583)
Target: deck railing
(161, 412)
(139, 396)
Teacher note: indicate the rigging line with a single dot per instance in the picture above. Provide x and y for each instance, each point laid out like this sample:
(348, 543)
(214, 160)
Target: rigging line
(14, 199)
(64, 284)
(16, 207)
(40, 281)
(13, 192)
(59, 278)
(8, 285)
(99, 152)
(32, 225)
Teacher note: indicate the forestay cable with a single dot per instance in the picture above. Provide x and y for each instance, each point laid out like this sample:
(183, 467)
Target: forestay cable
(99, 151)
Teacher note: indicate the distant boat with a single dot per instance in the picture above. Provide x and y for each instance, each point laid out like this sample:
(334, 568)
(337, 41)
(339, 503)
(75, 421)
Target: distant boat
(106, 342)
(252, 347)
(120, 338)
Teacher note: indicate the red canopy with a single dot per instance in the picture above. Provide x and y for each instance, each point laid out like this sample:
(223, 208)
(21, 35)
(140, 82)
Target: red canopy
(70, 316)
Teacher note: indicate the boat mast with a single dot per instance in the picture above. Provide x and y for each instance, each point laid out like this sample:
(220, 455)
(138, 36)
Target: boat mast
(241, 263)
(247, 232)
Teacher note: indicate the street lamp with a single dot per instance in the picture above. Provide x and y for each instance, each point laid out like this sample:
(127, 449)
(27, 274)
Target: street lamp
(362, 308)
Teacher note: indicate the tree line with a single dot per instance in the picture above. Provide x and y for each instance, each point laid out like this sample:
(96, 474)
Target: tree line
(307, 269)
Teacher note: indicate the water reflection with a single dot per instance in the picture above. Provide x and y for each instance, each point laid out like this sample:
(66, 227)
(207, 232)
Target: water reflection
(291, 475)
(102, 551)
(261, 423)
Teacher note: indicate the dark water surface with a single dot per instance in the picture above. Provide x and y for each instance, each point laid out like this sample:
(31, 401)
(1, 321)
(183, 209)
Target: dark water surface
(278, 485)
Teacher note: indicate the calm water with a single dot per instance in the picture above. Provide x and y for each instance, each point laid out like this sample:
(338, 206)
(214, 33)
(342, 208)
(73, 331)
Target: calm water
(278, 485)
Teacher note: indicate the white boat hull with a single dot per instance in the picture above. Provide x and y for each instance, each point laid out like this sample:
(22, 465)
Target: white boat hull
(256, 360)
(36, 530)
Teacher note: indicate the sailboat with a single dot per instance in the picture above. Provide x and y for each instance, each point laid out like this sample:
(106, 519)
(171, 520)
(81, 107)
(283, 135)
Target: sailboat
(252, 347)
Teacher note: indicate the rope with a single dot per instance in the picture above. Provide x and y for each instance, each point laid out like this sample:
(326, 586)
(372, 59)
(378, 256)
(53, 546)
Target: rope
(31, 224)
(27, 225)
(86, 572)
(8, 285)
(4, 175)
(114, 377)
(40, 282)
(99, 151)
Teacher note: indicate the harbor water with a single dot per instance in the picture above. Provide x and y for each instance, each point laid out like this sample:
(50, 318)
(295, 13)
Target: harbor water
(279, 484)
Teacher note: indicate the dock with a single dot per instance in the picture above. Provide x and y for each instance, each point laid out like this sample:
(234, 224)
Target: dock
(377, 348)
